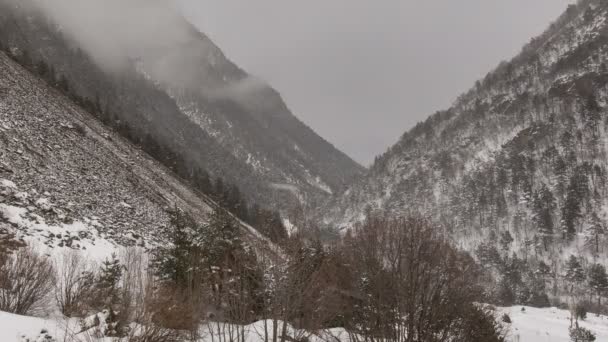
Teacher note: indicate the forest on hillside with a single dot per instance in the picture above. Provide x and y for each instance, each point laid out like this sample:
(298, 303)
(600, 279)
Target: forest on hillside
(394, 280)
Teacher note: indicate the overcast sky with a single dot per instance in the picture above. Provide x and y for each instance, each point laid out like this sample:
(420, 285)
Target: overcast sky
(362, 72)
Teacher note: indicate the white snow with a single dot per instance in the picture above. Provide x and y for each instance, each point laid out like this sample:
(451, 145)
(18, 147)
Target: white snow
(16, 328)
(530, 325)
(549, 324)
(47, 237)
(5, 183)
(289, 226)
(44, 204)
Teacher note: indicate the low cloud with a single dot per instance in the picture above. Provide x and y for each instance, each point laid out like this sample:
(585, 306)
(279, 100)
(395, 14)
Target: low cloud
(116, 33)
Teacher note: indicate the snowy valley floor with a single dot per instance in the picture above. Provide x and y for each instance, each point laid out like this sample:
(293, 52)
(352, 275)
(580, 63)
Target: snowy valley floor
(549, 325)
(530, 325)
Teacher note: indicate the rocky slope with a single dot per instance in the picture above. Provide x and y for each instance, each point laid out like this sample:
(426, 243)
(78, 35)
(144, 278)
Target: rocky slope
(187, 104)
(68, 181)
(523, 152)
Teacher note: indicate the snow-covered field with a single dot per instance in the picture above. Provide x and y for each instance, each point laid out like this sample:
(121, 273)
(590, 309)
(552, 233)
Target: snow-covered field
(549, 325)
(530, 325)
(15, 328)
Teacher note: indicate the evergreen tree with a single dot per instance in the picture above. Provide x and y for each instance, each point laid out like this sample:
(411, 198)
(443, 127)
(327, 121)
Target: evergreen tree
(219, 236)
(571, 211)
(580, 334)
(109, 293)
(598, 280)
(488, 255)
(543, 207)
(109, 279)
(175, 261)
(594, 232)
(574, 271)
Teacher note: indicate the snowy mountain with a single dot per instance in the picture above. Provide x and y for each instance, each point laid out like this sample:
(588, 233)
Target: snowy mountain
(177, 95)
(68, 182)
(518, 163)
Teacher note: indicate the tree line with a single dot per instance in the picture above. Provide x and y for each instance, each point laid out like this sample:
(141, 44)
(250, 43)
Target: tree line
(389, 280)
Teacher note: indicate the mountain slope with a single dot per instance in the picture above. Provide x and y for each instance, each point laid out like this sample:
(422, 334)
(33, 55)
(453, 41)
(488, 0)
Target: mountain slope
(523, 152)
(187, 104)
(66, 180)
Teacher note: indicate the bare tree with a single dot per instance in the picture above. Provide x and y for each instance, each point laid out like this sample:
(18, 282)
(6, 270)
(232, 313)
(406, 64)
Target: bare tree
(74, 285)
(26, 279)
(414, 286)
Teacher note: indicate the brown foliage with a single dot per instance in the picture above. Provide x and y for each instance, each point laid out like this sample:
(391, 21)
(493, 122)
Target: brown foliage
(414, 285)
(169, 307)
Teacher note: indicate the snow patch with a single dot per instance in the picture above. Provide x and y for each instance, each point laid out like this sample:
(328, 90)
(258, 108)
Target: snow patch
(549, 324)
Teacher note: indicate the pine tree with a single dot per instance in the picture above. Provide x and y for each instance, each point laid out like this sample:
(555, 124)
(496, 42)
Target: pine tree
(575, 195)
(543, 270)
(543, 207)
(598, 280)
(109, 290)
(594, 232)
(173, 262)
(109, 279)
(220, 236)
(580, 334)
(574, 271)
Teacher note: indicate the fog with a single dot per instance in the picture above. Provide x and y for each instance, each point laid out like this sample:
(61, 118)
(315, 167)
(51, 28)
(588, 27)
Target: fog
(152, 32)
(361, 72)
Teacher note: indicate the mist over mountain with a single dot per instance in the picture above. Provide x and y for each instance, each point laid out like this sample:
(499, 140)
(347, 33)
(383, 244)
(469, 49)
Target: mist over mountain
(151, 190)
(166, 86)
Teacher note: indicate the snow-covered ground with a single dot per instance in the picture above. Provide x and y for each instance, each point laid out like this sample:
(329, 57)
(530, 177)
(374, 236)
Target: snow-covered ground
(549, 324)
(530, 325)
(15, 328)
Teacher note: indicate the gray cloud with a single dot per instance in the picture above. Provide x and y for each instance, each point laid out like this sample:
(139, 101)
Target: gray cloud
(152, 32)
(361, 72)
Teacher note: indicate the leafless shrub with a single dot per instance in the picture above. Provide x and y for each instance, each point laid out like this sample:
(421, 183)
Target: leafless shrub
(416, 286)
(154, 333)
(169, 307)
(74, 286)
(26, 279)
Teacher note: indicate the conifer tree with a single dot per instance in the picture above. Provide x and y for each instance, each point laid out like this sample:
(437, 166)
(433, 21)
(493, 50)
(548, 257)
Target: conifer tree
(580, 334)
(574, 272)
(109, 279)
(219, 236)
(594, 233)
(598, 280)
(109, 292)
(543, 206)
(174, 261)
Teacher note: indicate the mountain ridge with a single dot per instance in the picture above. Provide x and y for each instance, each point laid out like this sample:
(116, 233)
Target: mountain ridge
(192, 108)
(66, 180)
(557, 72)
